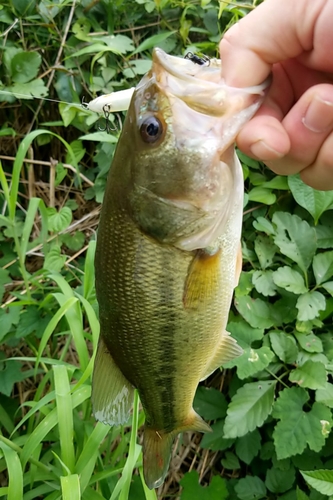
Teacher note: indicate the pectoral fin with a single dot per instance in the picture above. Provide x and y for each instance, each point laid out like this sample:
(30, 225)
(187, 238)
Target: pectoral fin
(112, 394)
(227, 350)
(203, 279)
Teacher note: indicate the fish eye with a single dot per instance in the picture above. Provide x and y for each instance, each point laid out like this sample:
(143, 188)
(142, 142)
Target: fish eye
(151, 129)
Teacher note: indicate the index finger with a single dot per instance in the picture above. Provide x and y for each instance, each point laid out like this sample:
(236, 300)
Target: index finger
(275, 31)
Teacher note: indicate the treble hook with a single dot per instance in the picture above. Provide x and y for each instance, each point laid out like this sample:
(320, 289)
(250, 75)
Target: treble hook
(204, 60)
(107, 128)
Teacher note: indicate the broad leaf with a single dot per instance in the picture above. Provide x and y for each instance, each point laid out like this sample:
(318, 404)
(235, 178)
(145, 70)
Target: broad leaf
(264, 225)
(230, 461)
(284, 346)
(10, 373)
(309, 304)
(210, 403)
(54, 260)
(263, 282)
(29, 90)
(249, 408)
(253, 360)
(153, 41)
(217, 489)
(262, 195)
(248, 446)
(295, 238)
(265, 250)
(311, 375)
(309, 342)
(324, 235)
(325, 395)
(320, 480)
(323, 266)
(289, 279)
(214, 440)
(298, 428)
(25, 66)
(300, 495)
(328, 287)
(279, 481)
(256, 312)
(59, 221)
(314, 201)
(250, 488)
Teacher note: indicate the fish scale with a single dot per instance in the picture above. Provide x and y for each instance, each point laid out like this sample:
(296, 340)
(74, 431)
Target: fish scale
(168, 251)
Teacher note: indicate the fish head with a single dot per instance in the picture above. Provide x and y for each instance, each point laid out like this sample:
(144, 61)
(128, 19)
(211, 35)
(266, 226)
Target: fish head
(182, 122)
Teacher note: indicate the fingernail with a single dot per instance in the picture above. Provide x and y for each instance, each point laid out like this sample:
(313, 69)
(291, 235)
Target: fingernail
(319, 115)
(264, 152)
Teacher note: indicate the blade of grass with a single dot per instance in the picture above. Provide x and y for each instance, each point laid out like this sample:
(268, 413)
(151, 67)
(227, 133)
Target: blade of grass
(49, 422)
(70, 487)
(123, 486)
(28, 224)
(15, 473)
(52, 325)
(65, 415)
(149, 494)
(87, 460)
(89, 271)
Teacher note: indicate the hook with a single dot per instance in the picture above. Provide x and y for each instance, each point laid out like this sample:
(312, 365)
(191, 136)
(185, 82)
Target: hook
(204, 60)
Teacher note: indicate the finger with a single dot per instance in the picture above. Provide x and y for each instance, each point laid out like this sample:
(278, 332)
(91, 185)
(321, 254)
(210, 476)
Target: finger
(270, 34)
(308, 124)
(319, 174)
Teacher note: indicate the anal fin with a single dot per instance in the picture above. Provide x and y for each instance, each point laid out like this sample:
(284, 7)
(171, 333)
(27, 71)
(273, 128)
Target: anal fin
(112, 394)
(227, 350)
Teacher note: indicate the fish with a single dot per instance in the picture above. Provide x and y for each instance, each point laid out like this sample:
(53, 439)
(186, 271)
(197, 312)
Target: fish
(168, 253)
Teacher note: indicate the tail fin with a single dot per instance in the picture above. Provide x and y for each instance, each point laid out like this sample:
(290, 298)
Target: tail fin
(157, 449)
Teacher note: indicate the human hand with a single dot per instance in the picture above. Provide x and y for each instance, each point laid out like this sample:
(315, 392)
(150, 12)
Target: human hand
(293, 130)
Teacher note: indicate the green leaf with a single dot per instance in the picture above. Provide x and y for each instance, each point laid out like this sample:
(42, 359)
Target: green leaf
(10, 373)
(324, 235)
(217, 489)
(54, 260)
(73, 241)
(328, 286)
(153, 41)
(312, 375)
(325, 395)
(256, 312)
(323, 266)
(59, 221)
(32, 320)
(320, 480)
(210, 403)
(309, 342)
(249, 408)
(298, 428)
(9, 316)
(4, 280)
(284, 346)
(309, 304)
(279, 481)
(314, 201)
(29, 90)
(230, 461)
(295, 238)
(25, 66)
(265, 250)
(250, 488)
(214, 440)
(264, 225)
(263, 282)
(248, 446)
(289, 279)
(253, 360)
(300, 495)
(262, 195)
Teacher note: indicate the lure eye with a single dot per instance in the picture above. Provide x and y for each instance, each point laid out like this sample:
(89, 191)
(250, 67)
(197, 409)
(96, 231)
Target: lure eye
(151, 129)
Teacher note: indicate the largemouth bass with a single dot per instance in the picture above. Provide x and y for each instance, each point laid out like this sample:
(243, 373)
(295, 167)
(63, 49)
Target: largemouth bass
(168, 250)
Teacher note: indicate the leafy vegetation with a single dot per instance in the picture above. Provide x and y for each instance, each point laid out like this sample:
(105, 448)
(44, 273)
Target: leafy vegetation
(271, 410)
